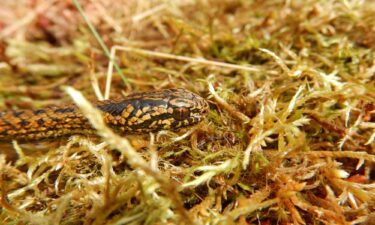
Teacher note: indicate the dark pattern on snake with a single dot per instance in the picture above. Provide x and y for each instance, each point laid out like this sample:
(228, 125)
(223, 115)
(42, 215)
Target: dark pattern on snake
(144, 112)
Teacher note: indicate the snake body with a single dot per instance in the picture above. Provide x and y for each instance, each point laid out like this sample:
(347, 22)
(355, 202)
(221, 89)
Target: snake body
(143, 112)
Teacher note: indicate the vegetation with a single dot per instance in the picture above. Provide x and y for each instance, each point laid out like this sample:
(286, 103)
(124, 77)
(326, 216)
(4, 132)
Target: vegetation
(289, 138)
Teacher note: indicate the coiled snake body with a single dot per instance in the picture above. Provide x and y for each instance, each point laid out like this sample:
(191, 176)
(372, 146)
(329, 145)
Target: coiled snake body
(137, 113)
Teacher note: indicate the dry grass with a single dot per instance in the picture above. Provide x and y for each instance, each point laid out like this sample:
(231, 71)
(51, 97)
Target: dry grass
(289, 138)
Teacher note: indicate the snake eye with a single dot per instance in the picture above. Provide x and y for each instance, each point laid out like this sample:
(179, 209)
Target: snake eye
(205, 111)
(181, 113)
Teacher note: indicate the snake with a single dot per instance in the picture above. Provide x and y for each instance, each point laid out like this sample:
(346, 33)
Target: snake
(143, 112)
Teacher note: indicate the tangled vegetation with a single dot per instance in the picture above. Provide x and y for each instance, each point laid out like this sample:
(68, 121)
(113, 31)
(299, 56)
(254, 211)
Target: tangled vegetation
(289, 138)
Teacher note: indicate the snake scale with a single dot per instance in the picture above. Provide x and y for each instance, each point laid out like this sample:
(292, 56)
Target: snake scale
(168, 109)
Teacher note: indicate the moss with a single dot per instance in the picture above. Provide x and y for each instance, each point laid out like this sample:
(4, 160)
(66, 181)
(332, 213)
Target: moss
(289, 137)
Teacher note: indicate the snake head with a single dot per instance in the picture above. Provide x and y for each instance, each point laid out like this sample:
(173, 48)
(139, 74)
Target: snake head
(188, 108)
(168, 109)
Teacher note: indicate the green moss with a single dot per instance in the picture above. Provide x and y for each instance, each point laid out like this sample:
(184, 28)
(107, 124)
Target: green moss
(309, 98)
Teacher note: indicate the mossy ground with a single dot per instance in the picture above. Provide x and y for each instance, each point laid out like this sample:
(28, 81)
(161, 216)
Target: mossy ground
(289, 138)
